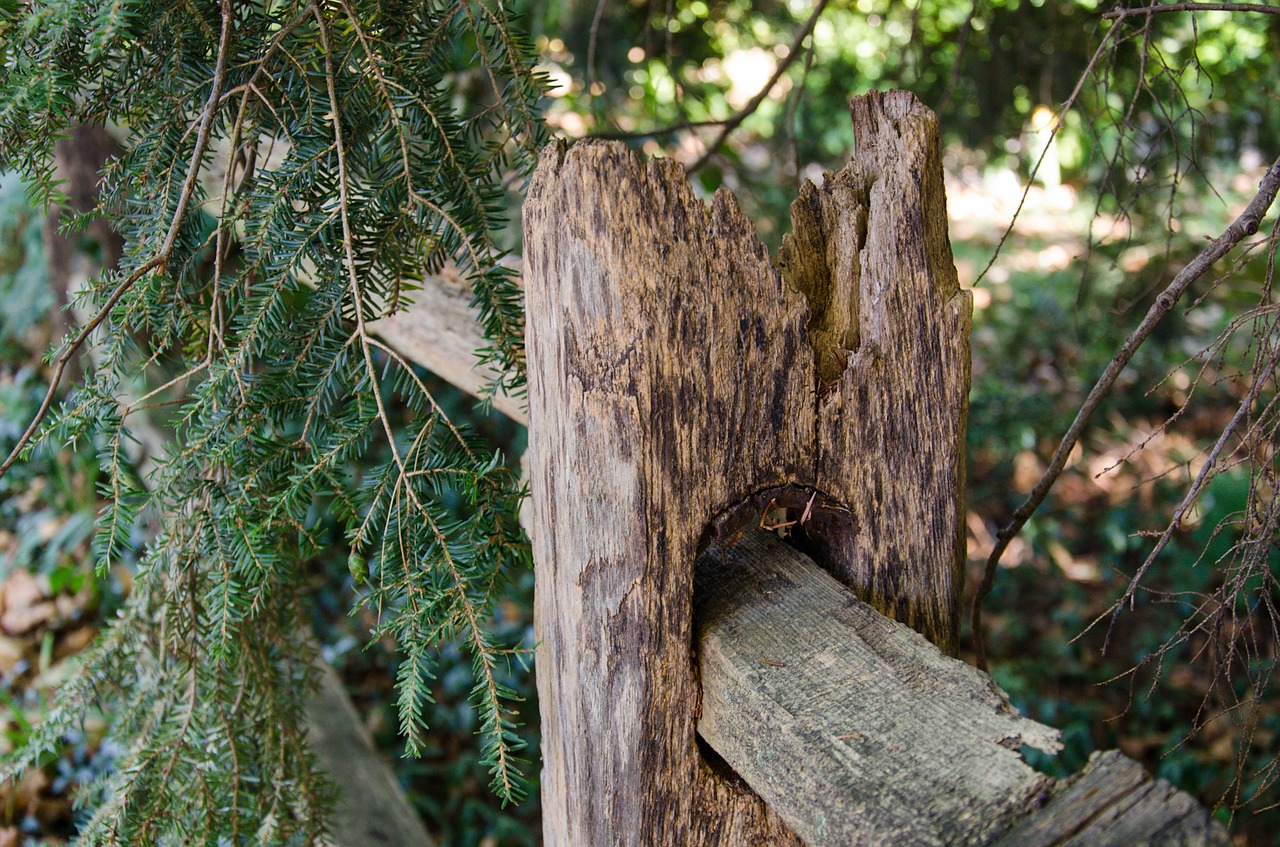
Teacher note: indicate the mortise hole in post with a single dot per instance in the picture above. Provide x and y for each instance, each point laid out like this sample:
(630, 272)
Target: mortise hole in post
(805, 517)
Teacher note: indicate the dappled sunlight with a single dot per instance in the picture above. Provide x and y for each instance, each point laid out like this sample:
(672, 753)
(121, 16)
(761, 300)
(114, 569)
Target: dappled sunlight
(981, 204)
(747, 71)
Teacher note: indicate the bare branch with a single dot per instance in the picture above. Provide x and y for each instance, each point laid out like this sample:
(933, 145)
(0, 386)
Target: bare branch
(591, 43)
(962, 41)
(746, 111)
(1053, 133)
(1206, 473)
(1260, 8)
(1242, 227)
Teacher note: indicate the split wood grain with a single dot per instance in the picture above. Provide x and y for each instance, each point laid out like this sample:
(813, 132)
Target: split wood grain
(1113, 802)
(680, 384)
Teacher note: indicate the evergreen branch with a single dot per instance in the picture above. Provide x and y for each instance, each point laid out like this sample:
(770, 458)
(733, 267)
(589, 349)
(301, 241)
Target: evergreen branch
(68, 352)
(511, 50)
(506, 328)
(375, 67)
(159, 261)
(256, 297)
(492, 694)
(374, 342)
(136, 405)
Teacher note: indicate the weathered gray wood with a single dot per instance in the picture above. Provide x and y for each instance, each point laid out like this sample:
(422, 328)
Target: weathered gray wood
(440, 330)
(371, 808)
(674, 394)
(1113, 802)
(854, 728)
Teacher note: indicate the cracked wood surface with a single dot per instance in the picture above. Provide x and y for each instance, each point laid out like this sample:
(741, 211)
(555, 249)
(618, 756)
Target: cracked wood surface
(858, 731)
(680, 384)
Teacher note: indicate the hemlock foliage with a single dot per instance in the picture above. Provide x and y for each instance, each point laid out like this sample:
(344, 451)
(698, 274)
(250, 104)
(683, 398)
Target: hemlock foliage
(291, 169)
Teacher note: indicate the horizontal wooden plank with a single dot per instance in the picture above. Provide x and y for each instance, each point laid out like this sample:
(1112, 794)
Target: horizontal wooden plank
(1113, 802)
(856, 730)
(440, 331)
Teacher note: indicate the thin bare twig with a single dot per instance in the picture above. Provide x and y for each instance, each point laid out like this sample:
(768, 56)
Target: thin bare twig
(1242, 227)
(1053, 133)
(746, 111)
(1193, 493)
(1260, 8)
(159, 260)
(591, 42)
(792, 105)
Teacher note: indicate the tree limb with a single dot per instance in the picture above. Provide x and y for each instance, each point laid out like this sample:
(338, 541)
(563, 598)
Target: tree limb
(1261, 8)
(1242, 227)
(746, 111)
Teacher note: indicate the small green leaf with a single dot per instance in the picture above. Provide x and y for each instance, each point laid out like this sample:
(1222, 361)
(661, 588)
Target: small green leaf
(359, 568)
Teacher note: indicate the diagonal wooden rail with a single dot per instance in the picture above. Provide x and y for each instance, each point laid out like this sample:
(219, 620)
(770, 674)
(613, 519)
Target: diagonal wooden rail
(857, 730)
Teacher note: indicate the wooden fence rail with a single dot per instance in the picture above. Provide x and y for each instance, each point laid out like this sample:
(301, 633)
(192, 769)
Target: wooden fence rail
(702, 682)
(857, 730)
(683, 389)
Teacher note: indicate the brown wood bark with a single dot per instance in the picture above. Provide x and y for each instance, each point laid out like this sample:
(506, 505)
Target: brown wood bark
(79, 160)
(679, 388)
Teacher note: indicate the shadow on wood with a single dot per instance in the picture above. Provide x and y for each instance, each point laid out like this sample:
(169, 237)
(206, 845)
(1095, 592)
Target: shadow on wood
(856, 730)
(676, 375)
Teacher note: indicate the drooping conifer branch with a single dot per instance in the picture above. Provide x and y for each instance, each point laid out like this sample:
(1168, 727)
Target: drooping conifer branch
(243, 309)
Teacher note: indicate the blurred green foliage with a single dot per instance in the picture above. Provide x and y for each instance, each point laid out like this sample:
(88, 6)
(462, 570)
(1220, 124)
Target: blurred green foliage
(24, 288)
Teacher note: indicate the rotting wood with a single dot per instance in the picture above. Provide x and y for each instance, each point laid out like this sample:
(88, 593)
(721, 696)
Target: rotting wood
(857, 731)
(890, 330)
(675, 394)
(1113, 802)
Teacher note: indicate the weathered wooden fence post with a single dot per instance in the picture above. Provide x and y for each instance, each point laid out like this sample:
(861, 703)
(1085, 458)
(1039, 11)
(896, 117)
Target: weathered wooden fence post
(682, 385)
